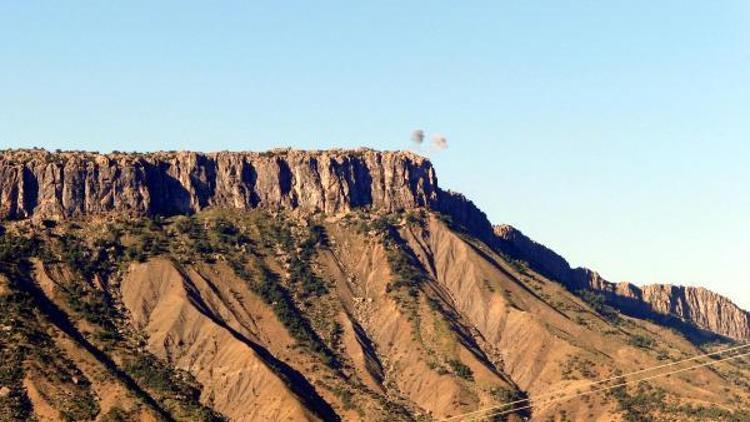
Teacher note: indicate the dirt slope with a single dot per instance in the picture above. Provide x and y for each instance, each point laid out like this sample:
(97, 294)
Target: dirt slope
(355, 316)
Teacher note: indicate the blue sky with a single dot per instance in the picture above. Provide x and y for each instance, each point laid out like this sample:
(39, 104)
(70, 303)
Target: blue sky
(615, 132)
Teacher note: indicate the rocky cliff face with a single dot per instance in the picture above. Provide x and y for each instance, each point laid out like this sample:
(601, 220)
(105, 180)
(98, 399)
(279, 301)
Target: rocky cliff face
(40, 184)
(705, 308)
(37, 184)
(663, 302)
(546, 261)
(345, 316)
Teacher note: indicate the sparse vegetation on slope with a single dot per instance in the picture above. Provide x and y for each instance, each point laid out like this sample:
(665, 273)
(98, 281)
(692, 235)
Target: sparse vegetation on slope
(29, 354)
(59, 380)
(598, 303)
(289, 265)
(244, 243)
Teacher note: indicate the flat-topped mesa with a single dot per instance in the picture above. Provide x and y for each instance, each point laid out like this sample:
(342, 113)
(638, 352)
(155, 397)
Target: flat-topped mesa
(40, 184)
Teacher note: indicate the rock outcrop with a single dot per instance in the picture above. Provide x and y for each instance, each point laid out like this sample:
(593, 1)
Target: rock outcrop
(701, 306)
(264, 316)
(546, 261)
(39, 184)
(665, 303)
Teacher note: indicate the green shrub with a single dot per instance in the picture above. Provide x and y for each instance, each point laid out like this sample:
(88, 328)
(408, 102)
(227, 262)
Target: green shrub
(597, 301)
(16, 406)
(80, 407)
(116, 414)
(505, 395)
(178, 390)
(151, 374)
(641, 341)
(301, 257)
(347, 398)
(641, 405)
(461, 369)
(405, 267)
(15, 248)
(28, 346)
(274, 294)
(416, 219)
(186, 225)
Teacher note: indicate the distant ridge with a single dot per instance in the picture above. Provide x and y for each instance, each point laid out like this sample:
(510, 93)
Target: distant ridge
(702, 307)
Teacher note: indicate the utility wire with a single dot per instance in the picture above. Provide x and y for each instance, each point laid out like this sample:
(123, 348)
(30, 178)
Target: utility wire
(565, 398)
(593, 383)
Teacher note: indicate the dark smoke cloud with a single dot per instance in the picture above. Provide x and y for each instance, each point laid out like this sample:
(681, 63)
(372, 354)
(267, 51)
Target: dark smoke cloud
(417, 136)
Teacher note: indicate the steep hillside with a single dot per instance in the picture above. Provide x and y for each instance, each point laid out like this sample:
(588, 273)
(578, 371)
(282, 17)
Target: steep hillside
(358, 317)
(671, 305)
(350, 288)
(40, 185)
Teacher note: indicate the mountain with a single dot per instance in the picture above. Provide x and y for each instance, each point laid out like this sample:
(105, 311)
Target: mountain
(316, 285)
(692, 305)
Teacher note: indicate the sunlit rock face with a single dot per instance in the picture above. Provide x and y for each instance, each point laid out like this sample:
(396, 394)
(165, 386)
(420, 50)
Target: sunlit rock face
(40, 184)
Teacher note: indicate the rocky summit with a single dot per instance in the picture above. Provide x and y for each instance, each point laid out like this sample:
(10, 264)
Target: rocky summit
(321, 285)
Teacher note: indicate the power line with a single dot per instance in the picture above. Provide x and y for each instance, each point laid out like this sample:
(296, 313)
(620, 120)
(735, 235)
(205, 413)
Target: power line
(593, 383)
(505, 412)
(565, 398)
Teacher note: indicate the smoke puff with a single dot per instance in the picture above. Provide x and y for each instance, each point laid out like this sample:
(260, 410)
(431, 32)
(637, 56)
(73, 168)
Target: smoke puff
(439, 142)
(417, 136)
